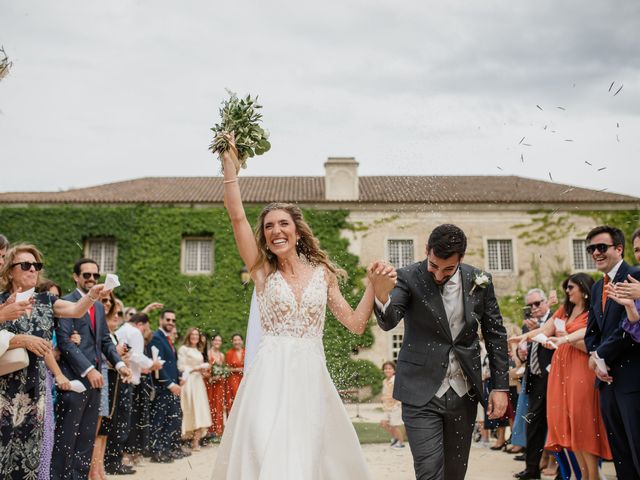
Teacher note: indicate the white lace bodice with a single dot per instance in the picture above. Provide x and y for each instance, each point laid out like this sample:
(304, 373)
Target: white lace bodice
(280, 313)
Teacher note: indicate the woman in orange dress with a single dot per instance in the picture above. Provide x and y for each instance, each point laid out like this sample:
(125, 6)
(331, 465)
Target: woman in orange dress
(235, 362)
(216, 387)
(573, 403)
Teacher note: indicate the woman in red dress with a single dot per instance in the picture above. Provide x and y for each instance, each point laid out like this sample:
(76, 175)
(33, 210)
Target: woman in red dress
(235, 362)
(573, 403)
(216, 387)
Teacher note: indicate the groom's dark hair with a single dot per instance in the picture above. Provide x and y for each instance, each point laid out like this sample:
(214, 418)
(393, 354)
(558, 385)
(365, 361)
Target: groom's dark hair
(447, 240)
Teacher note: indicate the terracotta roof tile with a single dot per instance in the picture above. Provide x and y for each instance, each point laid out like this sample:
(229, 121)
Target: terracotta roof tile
(373, 189)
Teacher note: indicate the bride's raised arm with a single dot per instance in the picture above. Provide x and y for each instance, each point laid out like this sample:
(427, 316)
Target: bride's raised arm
(242, 232)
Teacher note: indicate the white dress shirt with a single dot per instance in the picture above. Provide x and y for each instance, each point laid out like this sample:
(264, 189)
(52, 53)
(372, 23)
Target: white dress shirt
(138, 361)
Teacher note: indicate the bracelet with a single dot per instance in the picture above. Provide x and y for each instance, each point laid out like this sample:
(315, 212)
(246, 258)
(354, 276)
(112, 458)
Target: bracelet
(230, 181)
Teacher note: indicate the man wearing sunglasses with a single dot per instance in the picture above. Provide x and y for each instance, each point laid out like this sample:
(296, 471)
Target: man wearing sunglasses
(606, 340)
(535, 383)
(78, 412)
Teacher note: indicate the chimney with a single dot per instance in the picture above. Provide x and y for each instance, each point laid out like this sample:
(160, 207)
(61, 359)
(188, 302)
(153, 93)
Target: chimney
(341, 179)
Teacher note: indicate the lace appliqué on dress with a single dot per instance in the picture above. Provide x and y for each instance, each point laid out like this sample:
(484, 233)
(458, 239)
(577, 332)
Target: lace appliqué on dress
(280, 313)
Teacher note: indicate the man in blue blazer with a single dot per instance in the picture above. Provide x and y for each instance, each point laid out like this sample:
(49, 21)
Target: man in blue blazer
(78, 412)
(166, 415)
(606, 340)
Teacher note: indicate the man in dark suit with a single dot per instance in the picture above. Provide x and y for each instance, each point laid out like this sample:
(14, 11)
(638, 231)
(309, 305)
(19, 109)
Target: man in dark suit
(535, 381)
(78, 412)
(438, 377)
(619, 385)
(166, 417)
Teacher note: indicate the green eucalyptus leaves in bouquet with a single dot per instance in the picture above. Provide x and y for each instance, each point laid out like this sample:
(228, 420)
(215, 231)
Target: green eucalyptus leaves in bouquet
(239, 130)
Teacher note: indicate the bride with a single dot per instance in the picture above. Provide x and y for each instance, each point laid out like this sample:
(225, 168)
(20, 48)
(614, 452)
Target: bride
(287, 422)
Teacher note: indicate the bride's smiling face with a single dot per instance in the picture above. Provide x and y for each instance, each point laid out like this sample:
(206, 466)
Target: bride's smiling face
(280, 233)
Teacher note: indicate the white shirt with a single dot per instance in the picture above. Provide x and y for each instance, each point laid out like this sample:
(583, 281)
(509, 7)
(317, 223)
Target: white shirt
(138, 361)
(614, 271)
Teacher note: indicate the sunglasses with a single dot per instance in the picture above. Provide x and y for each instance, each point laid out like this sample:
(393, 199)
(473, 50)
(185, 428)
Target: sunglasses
(600, 247)
(120, 314)
(87, 276)
(170, 320)
(26, 266)
(570, 287)
(534, 304)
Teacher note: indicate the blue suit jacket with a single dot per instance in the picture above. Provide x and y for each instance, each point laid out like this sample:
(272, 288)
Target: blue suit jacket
(606, 336)
(76, 359)
(168, 374)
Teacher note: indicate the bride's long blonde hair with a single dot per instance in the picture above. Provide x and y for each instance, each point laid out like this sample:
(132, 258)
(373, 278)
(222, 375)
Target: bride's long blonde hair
(307, 246)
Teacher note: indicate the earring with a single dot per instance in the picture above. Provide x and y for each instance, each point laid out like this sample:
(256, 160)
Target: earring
(586, 296)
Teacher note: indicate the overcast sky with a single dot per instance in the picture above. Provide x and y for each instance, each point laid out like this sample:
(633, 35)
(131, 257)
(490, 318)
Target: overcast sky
(102, 91)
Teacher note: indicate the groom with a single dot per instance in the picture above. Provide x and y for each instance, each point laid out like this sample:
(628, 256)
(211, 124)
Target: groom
(438, 379)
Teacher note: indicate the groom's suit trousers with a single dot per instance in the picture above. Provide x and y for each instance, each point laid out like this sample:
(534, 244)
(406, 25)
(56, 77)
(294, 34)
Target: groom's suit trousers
(439, 435)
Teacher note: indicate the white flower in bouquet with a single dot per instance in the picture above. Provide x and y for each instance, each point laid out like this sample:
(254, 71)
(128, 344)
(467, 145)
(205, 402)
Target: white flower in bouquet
(218, 370)
(240, 125)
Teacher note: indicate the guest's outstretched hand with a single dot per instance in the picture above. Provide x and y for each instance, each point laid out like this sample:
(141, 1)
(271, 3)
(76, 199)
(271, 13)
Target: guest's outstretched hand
(629, 289)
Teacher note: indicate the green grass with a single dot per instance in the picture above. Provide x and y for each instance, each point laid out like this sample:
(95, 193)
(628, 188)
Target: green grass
(371, 433)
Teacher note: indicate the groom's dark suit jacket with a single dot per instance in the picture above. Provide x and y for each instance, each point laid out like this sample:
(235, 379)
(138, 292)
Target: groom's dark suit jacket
(424, 356)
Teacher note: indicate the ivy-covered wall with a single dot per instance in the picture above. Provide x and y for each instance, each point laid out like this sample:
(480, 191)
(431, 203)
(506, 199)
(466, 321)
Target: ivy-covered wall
(148, 265)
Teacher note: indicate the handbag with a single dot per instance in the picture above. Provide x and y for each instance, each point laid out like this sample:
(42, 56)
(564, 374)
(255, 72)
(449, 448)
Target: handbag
(13, 360)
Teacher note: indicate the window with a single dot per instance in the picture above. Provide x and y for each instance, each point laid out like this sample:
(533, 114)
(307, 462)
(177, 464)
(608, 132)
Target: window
(500, 255)
(581, 259)
(104, 251)
(197, 255)
(400, 252)
(396, 343)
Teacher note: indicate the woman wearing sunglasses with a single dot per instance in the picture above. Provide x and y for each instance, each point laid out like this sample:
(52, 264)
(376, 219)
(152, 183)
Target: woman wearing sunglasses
(573, 403)
(22, 433)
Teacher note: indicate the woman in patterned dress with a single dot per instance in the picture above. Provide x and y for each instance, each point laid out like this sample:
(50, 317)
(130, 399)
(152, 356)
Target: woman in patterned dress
(22, 393)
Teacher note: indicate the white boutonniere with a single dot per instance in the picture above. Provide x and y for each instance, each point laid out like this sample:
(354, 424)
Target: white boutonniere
(480, 280)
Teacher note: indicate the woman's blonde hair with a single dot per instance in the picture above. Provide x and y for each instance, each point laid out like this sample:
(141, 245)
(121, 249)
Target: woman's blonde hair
(307, 246)
(9, 259)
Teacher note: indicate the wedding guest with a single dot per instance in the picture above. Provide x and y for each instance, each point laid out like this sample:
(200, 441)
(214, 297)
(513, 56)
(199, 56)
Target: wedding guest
(216, 387)
(107, 397)
(235, 361)
(536, 376)
(573, 404)
(618, 381)
(391, 407)
(21, 444)
(196, 418)
(77, 413)
(630, 290)
(165, 407)
(4, 246)
(130, 334)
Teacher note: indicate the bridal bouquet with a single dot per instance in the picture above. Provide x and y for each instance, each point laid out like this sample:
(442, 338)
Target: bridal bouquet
(218, 370)
(239, 123)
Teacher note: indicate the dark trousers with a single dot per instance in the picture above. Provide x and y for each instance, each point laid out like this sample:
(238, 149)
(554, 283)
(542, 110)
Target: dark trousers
(77, 419)
(439, 435)
(536, 421)
(120, 424)
(621, 415)
(166, 421)
(138, 438)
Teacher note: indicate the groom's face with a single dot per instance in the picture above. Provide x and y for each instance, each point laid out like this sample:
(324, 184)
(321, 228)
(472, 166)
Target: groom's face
(442, 269)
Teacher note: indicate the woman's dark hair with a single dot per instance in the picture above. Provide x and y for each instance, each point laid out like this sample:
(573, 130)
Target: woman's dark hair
(584, 283)
(46, 285)
(237, 335)
(139, 318)
(447, 240)
(635, 235)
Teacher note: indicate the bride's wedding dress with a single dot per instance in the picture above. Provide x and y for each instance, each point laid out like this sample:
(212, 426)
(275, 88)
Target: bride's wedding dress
(287, 421)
